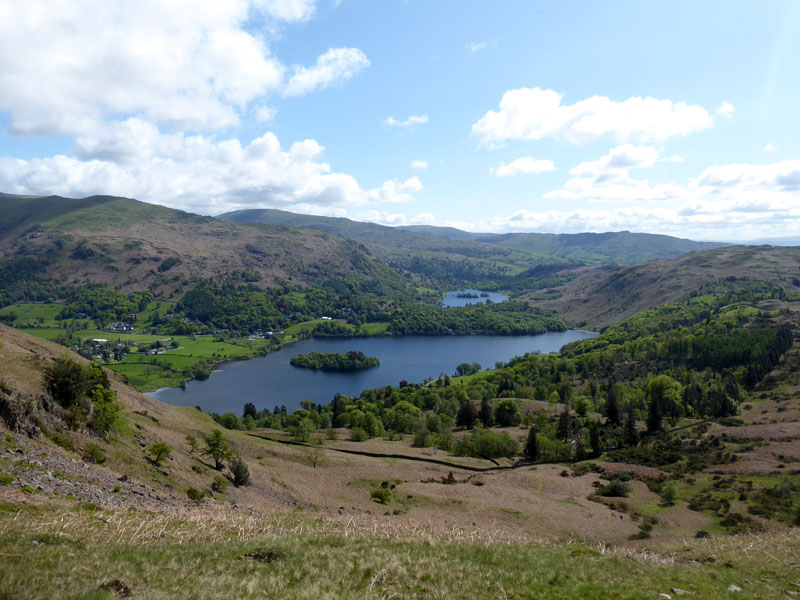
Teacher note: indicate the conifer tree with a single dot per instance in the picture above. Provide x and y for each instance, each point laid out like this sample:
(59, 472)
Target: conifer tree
(532, 446)
(465, 417)
(217, 447)
(485, 414)
(594, 440)
(630, 433)
(563, 431)
(612, 406)
(654, 416)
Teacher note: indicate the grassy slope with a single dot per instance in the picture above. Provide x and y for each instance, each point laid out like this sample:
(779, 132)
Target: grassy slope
(395, 244)
(123, 242)
(614, 247)
(197, 555)
(599, 296)
(509, 533)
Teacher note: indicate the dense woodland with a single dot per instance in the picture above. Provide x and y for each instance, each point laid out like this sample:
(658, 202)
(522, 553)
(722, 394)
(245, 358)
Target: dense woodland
(334, 361)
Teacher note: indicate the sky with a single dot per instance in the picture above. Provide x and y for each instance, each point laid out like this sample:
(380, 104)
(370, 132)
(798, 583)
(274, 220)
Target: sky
(671, 117)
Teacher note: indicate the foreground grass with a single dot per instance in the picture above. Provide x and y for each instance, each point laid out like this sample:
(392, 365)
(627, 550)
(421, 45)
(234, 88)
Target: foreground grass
(202, 554)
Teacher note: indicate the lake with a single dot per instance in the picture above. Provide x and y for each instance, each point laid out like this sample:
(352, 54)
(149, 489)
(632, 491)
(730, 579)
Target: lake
(269, 380)
(451, 298)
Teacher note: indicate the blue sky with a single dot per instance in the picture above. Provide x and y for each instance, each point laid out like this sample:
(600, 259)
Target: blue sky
(663, 117)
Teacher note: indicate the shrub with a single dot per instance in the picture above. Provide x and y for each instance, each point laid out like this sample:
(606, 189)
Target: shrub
(6, 479)
(668, 494)
(357, 434)
(423, 439)
(486, 444)
(63, 441)
(117, 489)
(106, 411)
(158, 452)
(94, 453)
(616, 488)
(381, 496)
(194, 494)
(702, 534)
(220, 484)
(241, 474)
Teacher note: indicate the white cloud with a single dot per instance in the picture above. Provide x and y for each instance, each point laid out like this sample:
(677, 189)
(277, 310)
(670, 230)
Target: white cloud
(710, 219)
(726, 110)
(523, 166)
(198, 173)
(185, 65)
(533, 114)
(476, 46)
(287, 10)
(737, 201)
(769, 147)
(423, 219)
(420, 165)
(68, 68)
(409, 122)
(619, 160)
(265, 114)
(395, 219)
(783, 176)
(337, 64)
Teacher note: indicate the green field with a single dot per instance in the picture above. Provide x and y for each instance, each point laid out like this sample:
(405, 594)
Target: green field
(30, 315)
(305, 327)
(365, 329)
(150, 372)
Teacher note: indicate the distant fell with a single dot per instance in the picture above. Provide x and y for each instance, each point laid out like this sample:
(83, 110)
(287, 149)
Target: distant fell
(612, 247)
(135, 246)
(600, 295)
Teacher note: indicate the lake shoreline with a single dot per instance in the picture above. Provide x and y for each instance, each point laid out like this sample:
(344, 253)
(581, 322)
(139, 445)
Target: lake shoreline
(268, 379)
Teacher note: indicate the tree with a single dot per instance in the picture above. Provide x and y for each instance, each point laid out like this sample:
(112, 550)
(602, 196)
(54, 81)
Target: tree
(217, 447)
(105, 413)
(67, 382)
(564, 426)
(668, 494)
(249, 409)
(303, 429)
(594, 440)
(465, 418)
(485, 414)
(630, 434)
(506, 413)
(316, 456)
(612, 406)
(654, 416)
(158, 452)
(532, 446)
(241, 474)
(192, 441)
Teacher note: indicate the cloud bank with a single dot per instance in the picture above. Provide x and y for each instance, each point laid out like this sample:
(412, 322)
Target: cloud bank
(534, 114)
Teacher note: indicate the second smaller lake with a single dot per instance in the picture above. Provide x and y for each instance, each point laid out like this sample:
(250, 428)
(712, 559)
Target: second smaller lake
(452, 299)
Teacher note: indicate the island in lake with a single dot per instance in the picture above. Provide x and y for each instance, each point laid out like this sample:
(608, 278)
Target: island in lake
(335, 361)
(467, 295)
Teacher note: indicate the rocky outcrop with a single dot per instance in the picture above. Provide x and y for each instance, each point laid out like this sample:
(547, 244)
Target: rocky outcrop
(30, 415)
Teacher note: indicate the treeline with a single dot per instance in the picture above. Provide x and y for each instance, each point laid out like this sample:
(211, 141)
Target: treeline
(504, 318)
(335, 361)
